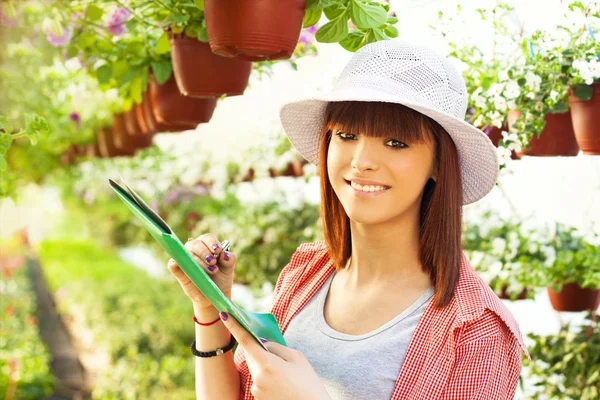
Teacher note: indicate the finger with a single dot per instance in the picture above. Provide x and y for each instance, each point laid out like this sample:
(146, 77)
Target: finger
(244, 339)
(198, 249)
(176, 271)
(281, 351)
(226, 262)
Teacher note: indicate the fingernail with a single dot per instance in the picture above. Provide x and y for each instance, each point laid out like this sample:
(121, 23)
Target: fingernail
(209, 258)
(215, 247)
(263, 340)
(223, 315)
(211, 268)
(226, 256)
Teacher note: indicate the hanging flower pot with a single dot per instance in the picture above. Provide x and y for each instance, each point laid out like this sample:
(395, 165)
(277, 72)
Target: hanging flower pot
(93, 150)
(125, 141)
(586, 120)
(293, 169)
(201, 73)
(68, 156)
(155, 126)
(171, 107)
(556, 139)
(573, 297)
(495, 135)
(141, 120)
(106, 144)
(132, 126)
(254, 30)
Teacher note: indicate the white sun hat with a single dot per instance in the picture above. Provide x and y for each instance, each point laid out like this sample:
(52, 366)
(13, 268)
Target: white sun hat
(416, 76)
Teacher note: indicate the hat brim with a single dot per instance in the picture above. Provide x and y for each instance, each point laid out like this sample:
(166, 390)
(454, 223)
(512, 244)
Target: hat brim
(303, 122)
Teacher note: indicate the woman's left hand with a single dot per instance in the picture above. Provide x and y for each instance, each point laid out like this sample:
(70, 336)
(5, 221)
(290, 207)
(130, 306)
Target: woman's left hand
(283, 373)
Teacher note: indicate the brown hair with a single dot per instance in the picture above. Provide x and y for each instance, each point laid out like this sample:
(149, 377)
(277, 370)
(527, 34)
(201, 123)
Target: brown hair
(441, 207)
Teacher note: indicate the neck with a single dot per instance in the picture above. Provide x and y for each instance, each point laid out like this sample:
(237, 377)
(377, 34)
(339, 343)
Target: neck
(385, 254)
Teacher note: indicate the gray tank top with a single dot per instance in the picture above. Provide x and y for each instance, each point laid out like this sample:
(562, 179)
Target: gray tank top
(354, 367)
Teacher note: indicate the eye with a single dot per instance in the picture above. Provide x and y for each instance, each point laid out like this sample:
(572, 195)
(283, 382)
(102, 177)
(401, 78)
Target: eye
(396, 144)
(345, 136)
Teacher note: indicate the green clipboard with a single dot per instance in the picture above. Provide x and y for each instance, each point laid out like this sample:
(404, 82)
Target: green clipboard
(257, 324)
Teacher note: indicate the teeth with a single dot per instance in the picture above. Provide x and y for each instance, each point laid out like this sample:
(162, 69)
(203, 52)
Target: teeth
(367, 188)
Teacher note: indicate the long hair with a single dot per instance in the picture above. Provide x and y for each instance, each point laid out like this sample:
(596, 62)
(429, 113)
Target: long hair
(441, 206)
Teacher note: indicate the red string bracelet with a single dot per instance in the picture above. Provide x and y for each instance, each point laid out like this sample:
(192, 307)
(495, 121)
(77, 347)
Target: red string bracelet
(207, 324)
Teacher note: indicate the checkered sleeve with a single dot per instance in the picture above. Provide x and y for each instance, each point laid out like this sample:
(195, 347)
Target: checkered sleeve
(485, 368)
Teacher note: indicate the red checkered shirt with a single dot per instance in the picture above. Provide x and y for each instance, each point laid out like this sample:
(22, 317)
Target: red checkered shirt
(471, 349)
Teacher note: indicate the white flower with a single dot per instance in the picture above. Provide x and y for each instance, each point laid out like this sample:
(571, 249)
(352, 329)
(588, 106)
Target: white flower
(512, 90)
(503, 75)
(503, 155)
(496, 118)
(532, 247)
(478, 121)
(530, 95)
(500, 104)
(499, 245)
(496, 89)
(533, 81)
(512, 105)
(479, 101)
(550, 254)
(553, 95)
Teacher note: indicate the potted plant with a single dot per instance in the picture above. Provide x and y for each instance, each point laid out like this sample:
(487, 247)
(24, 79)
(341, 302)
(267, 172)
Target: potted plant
(154, 125)
(169, 106)
(125, 141)
(567, 364)
(573, 279)
(106, 144)
(507, 257)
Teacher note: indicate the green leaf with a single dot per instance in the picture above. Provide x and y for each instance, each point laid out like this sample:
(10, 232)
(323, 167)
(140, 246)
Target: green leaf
(93, 13)
(391, 31)
(119, 68)
(105, 45)
(584, 92)
(163, 46)
(378, 35)
(3, 164)
(162, 71)
(311, 17)
(334, 31)
(104, 73)
(392, 20)
(334, 11)
(353, 41)
(367, 16)
(199, 4)
(5, 142)
(137, 89)
(202, 35)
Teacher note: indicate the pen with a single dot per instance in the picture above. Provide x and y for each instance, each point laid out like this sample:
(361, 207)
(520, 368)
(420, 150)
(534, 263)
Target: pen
(225, 245)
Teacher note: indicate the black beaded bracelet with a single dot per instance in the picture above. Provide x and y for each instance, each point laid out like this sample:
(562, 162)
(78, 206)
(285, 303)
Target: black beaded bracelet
(218, 352)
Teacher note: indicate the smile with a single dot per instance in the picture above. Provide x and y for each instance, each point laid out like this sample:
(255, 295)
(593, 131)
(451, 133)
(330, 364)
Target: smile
(367, 190)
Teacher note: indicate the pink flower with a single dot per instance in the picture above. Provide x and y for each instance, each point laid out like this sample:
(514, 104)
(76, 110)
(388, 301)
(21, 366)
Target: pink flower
(74, 116)
(116, 23)
(58, 41)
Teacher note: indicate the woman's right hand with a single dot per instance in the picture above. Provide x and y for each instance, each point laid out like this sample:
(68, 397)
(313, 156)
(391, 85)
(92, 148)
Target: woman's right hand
(202, 249)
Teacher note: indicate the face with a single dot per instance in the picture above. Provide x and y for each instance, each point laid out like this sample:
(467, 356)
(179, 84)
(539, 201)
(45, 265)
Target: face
(392, 172)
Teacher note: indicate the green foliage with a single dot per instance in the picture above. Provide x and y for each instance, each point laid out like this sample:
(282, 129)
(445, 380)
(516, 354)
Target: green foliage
(141, 322)
(577, 260)
(567, 365)
(24, 358)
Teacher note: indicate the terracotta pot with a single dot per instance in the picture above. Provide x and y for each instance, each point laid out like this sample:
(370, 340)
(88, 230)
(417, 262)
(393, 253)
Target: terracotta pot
(68, 156)
(201, 73)
(125, 141)
(249, 177)
(171, 107)
(293, 169)
(132, 127)
(572, 297)
(93, 150)
(141, 120)
(254, 30)
(557, 137)
(155, 126)
(586, 120)
(504, 294)
(106, 144)
(495, 135)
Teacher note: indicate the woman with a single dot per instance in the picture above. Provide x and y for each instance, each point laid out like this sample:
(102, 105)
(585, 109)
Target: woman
(387, 305)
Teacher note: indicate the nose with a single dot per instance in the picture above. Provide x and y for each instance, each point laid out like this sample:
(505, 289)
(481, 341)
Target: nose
(364, 157)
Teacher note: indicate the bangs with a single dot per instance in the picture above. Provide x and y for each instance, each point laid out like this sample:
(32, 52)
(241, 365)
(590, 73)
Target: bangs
(379, 119)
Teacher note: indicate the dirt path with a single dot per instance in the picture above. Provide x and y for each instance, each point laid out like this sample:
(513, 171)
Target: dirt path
(65, 364)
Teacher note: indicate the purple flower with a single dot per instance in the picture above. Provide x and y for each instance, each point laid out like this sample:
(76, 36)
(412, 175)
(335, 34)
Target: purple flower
(58, 41)
(487, 130)
(308, 34)
(75, 117)
(116, 23)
